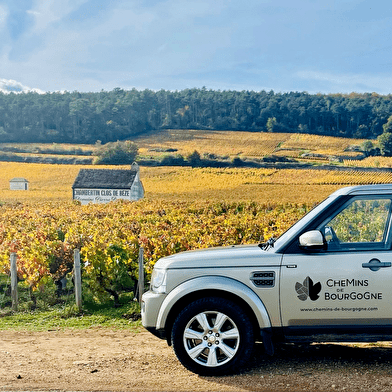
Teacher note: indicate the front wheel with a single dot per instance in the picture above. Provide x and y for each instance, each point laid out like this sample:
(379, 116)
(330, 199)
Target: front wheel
(212, 336)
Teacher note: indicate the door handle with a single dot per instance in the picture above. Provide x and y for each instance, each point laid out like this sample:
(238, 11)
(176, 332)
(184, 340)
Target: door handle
(375, 264)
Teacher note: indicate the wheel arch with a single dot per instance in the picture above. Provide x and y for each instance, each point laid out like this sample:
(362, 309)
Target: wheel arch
(209, 286)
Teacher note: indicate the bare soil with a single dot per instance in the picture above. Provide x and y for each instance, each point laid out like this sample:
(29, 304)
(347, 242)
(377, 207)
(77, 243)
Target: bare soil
(110, 360)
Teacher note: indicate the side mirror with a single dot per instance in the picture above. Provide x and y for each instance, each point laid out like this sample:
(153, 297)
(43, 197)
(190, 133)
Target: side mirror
(312, 240)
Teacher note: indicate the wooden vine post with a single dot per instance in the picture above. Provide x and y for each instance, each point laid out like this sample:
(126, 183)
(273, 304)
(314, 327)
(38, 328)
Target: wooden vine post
(141, 274)
(14, 282)
(78, 279)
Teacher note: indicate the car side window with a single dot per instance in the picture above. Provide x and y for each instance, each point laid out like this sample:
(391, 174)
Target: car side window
(362, 223)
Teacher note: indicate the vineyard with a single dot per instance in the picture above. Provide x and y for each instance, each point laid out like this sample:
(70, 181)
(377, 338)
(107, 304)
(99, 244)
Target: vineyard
(370, 162)
(109, 236)
(184, 208)
(231, 144)
(245, 144)
(54, 183)
(214, 145)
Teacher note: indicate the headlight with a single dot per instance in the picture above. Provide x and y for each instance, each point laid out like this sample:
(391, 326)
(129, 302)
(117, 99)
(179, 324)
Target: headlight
(158, 281)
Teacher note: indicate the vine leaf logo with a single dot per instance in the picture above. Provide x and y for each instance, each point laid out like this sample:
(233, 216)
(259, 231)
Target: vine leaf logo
(308, 289)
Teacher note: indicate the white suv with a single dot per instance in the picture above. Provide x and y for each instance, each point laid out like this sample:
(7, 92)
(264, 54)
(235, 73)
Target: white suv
(328, 278)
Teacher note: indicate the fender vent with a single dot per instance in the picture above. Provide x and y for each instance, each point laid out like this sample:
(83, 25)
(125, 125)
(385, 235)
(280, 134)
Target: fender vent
(263, 278)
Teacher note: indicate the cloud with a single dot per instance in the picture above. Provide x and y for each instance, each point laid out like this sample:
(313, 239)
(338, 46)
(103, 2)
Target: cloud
(34, 13)
(48, 12)
(3, 16)
(142, 44)
(8, 86)
(130, 41)
(89, 45)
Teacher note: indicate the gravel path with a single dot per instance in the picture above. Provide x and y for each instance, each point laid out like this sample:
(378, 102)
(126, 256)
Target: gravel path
(106, 360)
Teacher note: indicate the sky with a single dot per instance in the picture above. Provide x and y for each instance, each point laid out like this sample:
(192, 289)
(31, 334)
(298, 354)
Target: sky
(327, 46)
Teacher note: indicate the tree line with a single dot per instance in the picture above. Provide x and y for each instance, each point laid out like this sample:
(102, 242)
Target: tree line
(108, 116)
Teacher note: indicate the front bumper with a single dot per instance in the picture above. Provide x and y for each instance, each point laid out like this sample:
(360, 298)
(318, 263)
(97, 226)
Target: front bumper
(150, 306)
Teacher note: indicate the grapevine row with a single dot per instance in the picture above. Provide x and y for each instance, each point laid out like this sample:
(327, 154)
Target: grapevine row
(109, 236)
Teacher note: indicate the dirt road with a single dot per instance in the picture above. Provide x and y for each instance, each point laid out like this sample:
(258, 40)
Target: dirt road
(105, 360)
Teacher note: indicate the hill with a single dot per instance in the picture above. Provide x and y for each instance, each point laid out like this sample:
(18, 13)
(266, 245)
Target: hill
(117, 115)
(216, 148)
(257, 148)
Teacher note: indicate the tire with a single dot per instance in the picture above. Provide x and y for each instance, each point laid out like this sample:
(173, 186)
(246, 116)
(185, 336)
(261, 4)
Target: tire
(213, 336)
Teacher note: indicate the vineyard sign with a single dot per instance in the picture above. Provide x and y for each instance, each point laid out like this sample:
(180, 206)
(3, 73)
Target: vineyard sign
(100, 195)
(105, 185)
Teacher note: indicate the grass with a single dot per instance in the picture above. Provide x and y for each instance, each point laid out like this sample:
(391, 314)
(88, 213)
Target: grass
(69, 317)
(49, 312)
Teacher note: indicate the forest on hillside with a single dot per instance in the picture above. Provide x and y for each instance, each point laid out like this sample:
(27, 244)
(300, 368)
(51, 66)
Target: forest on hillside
(74, 117)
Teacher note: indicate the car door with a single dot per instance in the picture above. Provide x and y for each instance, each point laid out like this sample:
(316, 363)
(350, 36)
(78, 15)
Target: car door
(345, 287)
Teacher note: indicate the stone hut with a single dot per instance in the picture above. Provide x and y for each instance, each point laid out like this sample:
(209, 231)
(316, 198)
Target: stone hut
(19, 184)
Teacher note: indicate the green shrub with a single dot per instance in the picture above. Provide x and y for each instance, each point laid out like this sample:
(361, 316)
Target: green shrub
(116, 153)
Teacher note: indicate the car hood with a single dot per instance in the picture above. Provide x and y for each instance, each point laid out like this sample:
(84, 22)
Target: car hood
(229, 256)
